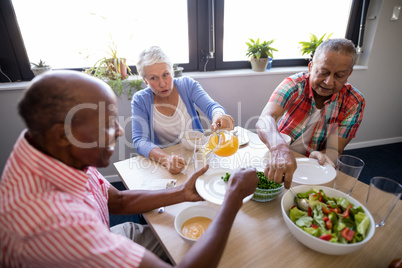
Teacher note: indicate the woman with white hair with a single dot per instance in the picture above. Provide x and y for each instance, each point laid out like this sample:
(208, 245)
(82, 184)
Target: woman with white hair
(166, 108)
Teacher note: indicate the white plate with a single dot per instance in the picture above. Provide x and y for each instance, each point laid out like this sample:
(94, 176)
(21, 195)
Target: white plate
(212, 188)
(242, 135)
(309, 171)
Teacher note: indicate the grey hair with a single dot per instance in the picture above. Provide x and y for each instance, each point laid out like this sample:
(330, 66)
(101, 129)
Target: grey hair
(151, 56)
(341, 45)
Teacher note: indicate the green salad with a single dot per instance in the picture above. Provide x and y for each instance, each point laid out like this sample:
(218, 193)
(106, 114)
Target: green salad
(332, 219)
(263, 182)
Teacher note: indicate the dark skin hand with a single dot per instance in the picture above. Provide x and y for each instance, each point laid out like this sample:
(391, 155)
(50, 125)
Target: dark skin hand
(140, 201)
(207, 251)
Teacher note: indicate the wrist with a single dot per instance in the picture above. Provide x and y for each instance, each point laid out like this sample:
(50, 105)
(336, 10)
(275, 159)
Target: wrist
(280, 147)
(216, 115)
(233, 200)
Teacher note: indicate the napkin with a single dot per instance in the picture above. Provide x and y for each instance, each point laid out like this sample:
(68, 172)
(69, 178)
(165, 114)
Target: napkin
(154, 184)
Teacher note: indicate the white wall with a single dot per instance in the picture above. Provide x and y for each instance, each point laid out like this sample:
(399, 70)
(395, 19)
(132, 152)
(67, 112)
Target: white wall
(244, 93)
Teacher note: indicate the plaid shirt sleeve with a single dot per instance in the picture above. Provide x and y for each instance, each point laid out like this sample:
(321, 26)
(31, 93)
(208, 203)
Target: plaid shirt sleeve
(354, 104)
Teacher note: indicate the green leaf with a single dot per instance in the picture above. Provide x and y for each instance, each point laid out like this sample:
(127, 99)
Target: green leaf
(309, 47)
(260, 50)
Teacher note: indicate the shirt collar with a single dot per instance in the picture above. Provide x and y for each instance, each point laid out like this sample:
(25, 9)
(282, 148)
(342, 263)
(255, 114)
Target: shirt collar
(65, 178)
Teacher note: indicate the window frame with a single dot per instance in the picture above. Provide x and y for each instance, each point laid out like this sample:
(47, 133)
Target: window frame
(12, 49)
(15, 62)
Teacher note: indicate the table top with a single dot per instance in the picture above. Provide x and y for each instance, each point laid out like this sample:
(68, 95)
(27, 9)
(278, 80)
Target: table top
(259, 235)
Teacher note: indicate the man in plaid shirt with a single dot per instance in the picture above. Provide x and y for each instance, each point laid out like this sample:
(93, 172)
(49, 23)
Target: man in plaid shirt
(319, 110)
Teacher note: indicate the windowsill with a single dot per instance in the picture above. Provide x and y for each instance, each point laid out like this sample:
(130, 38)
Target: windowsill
(250, 72)
(13, 86)
(209, 74)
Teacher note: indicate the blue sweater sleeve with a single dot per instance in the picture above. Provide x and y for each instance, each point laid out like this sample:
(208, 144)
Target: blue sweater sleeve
(193, 94)
(141, 122)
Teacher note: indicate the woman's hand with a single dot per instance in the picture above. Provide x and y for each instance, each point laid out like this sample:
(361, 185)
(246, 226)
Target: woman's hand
(174, 163)
(224, 121)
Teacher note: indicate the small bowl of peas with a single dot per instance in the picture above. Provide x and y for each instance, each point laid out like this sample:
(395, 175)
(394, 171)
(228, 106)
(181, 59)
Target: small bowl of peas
(266, 190)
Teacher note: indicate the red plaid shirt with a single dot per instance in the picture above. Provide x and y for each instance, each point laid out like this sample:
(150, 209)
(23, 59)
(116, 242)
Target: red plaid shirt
(341, 114)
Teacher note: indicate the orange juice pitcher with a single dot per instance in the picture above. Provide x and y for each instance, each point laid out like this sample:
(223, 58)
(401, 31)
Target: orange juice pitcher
(223, 143)
(228, 145)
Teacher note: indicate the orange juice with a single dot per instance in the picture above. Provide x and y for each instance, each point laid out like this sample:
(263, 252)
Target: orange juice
(228, 146)
(211, 144)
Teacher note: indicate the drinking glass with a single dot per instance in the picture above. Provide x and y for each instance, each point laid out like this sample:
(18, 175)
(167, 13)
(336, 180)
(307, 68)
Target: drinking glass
(351, 166)
(382, 197)
(188, 144)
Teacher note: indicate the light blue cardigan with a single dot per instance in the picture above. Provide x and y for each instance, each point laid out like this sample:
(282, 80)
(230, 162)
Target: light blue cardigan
(191, 92)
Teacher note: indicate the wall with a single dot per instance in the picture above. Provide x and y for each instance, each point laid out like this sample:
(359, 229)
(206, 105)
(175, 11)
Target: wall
(244, 93)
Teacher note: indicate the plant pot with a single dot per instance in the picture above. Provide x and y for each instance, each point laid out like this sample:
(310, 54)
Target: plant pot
(122, 68)
(259, 65)
(178, 71)
(40, 70)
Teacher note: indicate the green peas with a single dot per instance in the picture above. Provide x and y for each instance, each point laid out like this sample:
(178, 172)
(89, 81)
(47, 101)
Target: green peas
(226, 177)
(263, 183)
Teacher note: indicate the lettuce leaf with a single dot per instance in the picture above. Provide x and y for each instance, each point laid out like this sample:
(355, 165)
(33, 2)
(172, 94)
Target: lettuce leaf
(296, 214)
(305, 221)
(362, 223)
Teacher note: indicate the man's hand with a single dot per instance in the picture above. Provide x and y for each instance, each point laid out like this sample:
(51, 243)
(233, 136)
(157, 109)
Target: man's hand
(242, 182)
(190, 192)
(281, 165)
(322, 158)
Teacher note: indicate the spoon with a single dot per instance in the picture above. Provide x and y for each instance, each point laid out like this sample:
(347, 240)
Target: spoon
(301, 202)
(170, 184)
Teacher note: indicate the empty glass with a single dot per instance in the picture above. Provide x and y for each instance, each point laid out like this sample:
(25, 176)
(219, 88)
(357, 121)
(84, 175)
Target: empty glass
(351, 166)
(382, 197)
(188, 144)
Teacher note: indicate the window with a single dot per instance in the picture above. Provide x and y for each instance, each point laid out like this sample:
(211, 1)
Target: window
(74, 34)
(287, 22)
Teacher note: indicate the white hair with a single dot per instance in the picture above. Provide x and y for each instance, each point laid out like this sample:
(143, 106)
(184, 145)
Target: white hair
(151, 56)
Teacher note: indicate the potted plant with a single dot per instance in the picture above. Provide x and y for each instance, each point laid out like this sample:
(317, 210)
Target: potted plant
(40, 67)
(112, 67)
(259, 54)
(114, 71)
(178, 70)
(309, 47)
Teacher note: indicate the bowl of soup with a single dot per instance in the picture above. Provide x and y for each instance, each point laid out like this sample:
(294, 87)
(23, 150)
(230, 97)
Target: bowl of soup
(192, 222)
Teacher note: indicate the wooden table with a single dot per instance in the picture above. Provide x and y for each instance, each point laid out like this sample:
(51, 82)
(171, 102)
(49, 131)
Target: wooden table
(259, 236)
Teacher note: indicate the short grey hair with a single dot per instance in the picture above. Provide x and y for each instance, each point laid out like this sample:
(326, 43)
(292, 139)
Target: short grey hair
(340, 45)
(151, 56)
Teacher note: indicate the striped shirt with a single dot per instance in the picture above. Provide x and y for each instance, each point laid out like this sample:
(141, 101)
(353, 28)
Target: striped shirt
(52, 215)
(341, 114)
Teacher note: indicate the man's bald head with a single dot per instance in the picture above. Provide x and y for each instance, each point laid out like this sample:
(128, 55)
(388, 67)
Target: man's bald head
(51, 96)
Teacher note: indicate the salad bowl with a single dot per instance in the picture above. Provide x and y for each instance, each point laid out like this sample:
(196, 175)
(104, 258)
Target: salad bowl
(316, 243)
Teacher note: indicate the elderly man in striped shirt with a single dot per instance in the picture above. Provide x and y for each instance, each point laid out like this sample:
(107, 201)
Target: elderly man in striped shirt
(319, 110)
(54, 204)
